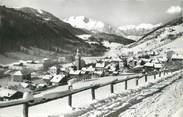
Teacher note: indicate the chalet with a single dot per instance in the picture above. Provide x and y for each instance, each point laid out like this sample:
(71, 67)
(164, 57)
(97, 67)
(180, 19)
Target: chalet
(177, 57)
(158, 66)
(24, 85)
(90, 70)
(99, 73)
(58, 79)
(75, 72)
(17, 76)
(47, 77)
(4, 67)
(138, 68)
(53, 70)
(148, 66)
(162, 59)
(8, 94)
(41, 86)
(100, 66)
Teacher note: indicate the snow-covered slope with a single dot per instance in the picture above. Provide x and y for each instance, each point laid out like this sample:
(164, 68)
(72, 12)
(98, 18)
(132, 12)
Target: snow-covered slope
(49, 17)
(138, 27)
(39, 13)
(92, 25)
(168, 36)
(137, 30)
(133, 37)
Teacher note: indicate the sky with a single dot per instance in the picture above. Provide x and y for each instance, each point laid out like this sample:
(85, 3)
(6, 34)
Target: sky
(115, 12)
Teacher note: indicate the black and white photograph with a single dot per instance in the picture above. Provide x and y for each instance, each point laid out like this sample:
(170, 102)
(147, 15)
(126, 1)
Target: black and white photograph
(91, 58)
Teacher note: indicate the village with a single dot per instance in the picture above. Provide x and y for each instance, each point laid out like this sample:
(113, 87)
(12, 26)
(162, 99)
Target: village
(34, 76)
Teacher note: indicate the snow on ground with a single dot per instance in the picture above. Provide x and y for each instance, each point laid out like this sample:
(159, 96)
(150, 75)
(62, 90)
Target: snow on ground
(179, 113)
(133, 37)
(176, 45)
(111, 45)
(113, 52)
(163, 104)
(91, 59)
(84, 36)
(80, 100)
(40, 11)
(122, 101)
(162, 40)
(114, 48)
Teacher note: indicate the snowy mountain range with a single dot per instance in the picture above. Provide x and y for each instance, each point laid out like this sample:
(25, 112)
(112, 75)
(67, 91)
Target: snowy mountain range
(92, 25)
(99, 26)
(138, 30)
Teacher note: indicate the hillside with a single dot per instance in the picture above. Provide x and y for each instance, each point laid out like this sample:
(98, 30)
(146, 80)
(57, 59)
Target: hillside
(48, 17)
(161, 36)
(100, 37)
(20, 31)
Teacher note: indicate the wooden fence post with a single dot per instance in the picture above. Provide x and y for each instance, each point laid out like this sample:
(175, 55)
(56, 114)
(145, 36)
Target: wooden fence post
(93, 93)
(159, 73)
(164, 72)
(145, 77)
(70, 100)
(154, 75)
(137, 81)
(112, 88)
(126, 84)
(25, 110)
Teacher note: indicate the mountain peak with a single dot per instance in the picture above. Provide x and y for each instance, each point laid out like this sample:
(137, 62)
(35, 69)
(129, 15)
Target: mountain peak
(138, 30)
(92, 25)
(79, 18)
(140, 26)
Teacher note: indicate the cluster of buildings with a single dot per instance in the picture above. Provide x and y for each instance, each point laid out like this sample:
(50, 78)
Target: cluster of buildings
(153, 60)
(25, 79)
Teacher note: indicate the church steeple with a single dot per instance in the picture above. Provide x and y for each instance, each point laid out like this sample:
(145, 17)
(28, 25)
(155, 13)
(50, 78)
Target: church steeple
(78, 59)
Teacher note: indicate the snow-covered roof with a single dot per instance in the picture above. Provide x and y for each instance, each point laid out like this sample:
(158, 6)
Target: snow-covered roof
(25, 85)
(18, 73)
(146, 60)
(47, 77)
(83, 72)
(176, 56)
(100, 64)
(157, 65)
(98, 72)
(53, 68)
(84, 69)
(112, 68)
(75, 72)
(41, 85)
(138, 66)
(6, 92)
(57, 78)
(149, 64)
(162, 59)
(155, 61)
(45, 59)
(90, 69)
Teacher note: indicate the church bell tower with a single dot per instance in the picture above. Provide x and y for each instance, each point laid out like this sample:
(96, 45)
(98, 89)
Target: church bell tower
(78, 60)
